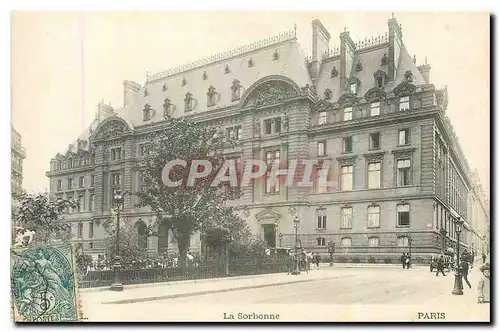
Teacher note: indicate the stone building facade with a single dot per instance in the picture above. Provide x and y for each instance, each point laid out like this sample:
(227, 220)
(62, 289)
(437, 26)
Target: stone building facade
(18, 154)
(366, 109)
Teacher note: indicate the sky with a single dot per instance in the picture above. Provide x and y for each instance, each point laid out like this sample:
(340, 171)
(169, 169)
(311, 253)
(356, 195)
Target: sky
(64, 63)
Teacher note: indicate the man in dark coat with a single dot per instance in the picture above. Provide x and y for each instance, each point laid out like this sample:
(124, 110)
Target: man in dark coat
(317, 260)
(464, 270)
(440, 265)
(403, 260)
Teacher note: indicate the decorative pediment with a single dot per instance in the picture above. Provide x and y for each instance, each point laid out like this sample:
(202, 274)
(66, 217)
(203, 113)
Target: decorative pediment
(346, 160)
(404, 152)
(375, 94)
(267, 214)
(111, 129)
(347, 100)
(323, 106)
(374, 157)
(270, 93)
(404, 89)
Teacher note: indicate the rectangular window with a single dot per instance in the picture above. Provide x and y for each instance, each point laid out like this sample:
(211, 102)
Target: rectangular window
(234, 133)
(271, 158)
(92, 180)
(115, 179)
(81, 203)
(347, 144)
(321, 219)
(374, 142)
(374, 216)
(321, 148)
(91, 245)
(81, 182)
(321, 242)
(91, 205)
(353, 88)
(320, 182)
(346, 242)
(404, 103)
(116, 154)
(348, 114)
(70, 183)
(268, 125)
(403, 215)
(404, 137)
(380, 82)
(91, 230)
(373, 242)
(272, 126)
(403, 241)
(375, 109)
(404, 172)
(80, 229)
(346, 217)
(374, 175)
(59, 185)
(346, 177)
(321, 118)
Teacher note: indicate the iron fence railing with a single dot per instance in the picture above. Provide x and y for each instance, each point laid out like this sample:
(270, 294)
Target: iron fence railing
(204, 270)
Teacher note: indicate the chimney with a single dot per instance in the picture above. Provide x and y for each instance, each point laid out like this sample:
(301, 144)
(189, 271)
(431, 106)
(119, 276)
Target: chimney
(103, 111)
(425, 70)
(347, 49)
(395, 44)
(130, 89)
(321, 42)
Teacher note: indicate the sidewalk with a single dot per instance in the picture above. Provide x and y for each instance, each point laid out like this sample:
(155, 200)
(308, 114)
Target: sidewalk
(323, 266)
(183, 289)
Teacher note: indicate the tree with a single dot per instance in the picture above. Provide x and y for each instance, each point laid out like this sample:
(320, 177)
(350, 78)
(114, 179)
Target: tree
(82, 261)
(42, 215)
(187, 208)
(129, 249)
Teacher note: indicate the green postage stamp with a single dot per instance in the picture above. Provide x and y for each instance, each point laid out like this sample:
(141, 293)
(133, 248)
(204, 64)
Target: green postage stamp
(44, 285)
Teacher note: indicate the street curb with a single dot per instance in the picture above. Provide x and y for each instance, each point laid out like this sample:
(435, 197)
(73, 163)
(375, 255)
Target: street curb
(215, 291)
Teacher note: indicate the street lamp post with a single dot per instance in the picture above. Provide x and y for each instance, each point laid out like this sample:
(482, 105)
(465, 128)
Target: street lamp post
(410, 240)
(117, 278)
(296, 223)
(443, 238)
(458, 286)
(281, 238)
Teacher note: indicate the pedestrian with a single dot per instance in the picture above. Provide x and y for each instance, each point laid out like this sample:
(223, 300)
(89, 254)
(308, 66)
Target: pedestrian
(408, 260)
(317, 259)
(484, 257)
(403, 259)
(440, 266)
(464, 269)
(483, 287)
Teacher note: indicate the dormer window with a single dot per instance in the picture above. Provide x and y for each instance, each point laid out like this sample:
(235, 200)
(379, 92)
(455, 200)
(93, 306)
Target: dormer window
(164, 87)
(384, 60)
(205, 76)
(145, 92)
(380, 82)
(353, 89)
(146, 112)
(227, 70)
(250, 62)
(328, 94)
(404, 103)
(347, 113)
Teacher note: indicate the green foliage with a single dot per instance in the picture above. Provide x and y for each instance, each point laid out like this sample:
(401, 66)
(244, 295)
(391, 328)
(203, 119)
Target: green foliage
(129, 249)
(218, 236)
(43, 215)
(186, 209)
(82, 261)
